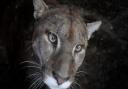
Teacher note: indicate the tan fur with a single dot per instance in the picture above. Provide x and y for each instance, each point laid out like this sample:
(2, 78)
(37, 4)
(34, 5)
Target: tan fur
(68, 26)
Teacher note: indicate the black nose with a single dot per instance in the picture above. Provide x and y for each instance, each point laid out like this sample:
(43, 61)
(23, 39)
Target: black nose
(58, 78)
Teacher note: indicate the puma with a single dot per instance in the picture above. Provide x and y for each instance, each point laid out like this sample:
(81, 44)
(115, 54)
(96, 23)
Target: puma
(59, 44)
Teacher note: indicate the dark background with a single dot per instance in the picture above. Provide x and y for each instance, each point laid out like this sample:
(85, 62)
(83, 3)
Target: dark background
(106, 62)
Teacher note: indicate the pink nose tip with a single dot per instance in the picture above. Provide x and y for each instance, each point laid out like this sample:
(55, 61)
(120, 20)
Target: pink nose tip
(59, 79)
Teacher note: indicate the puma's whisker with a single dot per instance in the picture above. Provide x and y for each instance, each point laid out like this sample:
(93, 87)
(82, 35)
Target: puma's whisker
(31, 62)
(77, 84)
(81, 72)
(29, 58)
(41, 84)
(33, 75)
(71, 87)
(34, 83)
(31, 67)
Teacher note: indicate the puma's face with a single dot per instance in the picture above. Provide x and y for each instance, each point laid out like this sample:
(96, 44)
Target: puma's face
(60, 42)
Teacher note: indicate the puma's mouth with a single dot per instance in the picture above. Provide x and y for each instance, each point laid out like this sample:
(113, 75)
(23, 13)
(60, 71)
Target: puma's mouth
(52, 83)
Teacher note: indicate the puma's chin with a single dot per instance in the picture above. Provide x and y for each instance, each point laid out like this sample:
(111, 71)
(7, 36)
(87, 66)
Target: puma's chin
(52, 83)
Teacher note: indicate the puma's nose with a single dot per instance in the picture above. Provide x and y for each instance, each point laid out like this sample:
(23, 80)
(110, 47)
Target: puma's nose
(59, 79)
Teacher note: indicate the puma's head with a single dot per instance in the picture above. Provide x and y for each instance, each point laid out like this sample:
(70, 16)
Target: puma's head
(60, 40)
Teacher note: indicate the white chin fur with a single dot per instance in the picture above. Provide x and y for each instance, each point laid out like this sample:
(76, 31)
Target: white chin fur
(52, 83)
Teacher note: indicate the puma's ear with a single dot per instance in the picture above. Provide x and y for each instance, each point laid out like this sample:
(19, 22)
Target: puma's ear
(39, 8)
(92, 27)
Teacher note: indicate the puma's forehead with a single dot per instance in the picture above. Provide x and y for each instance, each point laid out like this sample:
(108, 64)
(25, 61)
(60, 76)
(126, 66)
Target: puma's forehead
(65, 24)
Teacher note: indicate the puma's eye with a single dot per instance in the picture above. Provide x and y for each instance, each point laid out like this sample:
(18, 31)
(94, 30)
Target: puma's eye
(78, 48)
(52, 38)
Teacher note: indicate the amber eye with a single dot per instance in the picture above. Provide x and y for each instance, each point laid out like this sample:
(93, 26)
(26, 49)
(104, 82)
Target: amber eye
(78, 48)
(52, 38)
